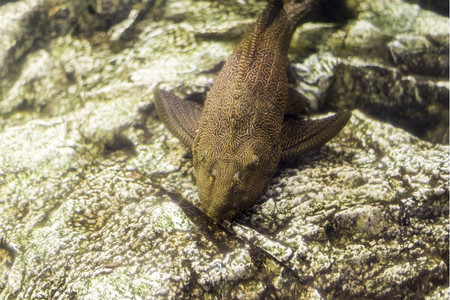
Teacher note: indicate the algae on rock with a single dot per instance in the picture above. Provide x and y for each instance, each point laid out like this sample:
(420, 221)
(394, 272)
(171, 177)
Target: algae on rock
(96, 195)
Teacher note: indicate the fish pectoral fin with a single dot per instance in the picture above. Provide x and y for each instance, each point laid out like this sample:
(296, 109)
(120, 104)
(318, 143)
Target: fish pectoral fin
(179, 115)
(301, 136)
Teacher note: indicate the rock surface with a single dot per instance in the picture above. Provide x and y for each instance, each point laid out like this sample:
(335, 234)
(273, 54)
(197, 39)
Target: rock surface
(96, 196)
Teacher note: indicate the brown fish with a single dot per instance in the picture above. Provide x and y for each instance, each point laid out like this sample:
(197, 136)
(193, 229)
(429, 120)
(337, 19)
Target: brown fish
(242, 132)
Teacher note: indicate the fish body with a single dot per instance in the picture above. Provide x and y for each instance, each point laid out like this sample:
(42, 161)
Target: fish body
(242, 132)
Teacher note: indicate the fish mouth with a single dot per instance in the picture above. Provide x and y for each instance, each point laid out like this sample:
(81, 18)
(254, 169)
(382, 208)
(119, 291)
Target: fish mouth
(220, 212)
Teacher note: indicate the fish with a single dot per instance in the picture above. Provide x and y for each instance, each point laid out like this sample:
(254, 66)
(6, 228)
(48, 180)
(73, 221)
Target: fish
(243, 131)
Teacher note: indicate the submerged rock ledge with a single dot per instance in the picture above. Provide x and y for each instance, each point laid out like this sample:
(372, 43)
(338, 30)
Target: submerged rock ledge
(96, 195)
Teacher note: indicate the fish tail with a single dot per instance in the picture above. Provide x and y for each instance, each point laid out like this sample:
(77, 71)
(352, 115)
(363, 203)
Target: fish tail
(296, 11)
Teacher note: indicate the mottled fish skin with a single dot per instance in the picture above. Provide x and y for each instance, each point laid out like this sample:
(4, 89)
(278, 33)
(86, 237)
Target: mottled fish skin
(242, 132)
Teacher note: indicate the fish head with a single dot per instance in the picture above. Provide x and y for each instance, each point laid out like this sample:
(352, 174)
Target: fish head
(228, 184)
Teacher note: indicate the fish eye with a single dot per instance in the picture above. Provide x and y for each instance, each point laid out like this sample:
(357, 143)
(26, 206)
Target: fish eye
(212, 175)
(202, 155)
(254, 161)
(237, 177)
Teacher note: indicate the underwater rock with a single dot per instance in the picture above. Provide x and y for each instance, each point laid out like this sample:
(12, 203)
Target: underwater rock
(415, 104)
(96, 196)
(439, 6)
(418, 55)
(391, 62)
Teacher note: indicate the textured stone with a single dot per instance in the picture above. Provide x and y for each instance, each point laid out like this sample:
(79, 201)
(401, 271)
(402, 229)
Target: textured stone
(96, 196)
(391, 62)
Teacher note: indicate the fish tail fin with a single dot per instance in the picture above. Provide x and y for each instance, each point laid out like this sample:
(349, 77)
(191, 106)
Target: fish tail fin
(296, 11)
